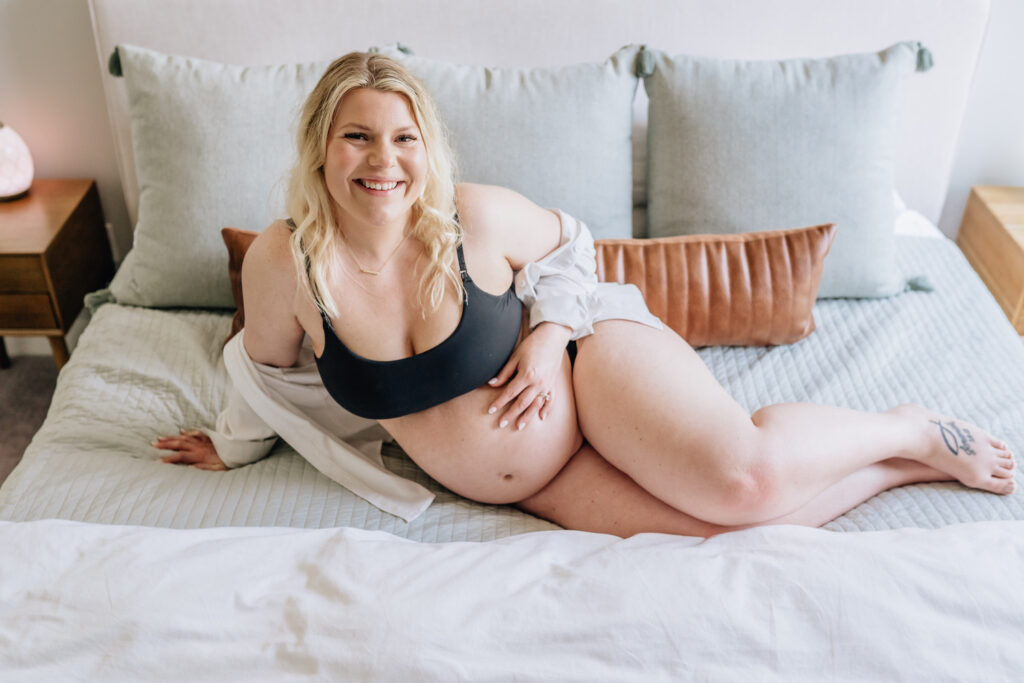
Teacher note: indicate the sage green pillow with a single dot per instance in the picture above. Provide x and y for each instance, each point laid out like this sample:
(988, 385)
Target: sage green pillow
(560, 135)
(213, 145)
(735, 146)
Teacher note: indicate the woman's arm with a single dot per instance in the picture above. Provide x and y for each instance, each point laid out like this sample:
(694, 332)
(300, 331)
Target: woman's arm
(556, 270)
(273, 336)
(525, 234)
(521, 230)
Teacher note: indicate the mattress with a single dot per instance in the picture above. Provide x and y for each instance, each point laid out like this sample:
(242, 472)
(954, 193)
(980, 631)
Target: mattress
(138, 373)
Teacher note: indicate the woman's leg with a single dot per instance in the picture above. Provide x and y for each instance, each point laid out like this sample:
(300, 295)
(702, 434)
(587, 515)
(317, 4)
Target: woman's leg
(589, 494)
(648, 404)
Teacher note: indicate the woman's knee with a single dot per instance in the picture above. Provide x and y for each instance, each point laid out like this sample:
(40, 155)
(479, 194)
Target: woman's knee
(749, 496)
(742, 482)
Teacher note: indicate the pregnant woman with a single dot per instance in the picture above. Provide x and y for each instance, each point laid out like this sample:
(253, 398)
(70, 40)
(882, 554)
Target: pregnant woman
(402, 282)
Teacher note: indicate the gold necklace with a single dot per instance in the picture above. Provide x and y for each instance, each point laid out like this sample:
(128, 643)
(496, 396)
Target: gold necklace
(381, 266)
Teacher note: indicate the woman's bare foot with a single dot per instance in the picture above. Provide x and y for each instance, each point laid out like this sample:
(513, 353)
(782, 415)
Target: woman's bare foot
(962, 450)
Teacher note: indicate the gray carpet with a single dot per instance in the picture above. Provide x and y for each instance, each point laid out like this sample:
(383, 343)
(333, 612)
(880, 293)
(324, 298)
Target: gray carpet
(25, 392)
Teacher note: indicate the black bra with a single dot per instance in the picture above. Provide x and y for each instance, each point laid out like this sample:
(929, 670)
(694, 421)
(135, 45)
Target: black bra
(474, 353)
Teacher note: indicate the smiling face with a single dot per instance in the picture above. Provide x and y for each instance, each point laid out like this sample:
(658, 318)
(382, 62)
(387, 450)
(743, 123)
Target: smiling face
(376, 164)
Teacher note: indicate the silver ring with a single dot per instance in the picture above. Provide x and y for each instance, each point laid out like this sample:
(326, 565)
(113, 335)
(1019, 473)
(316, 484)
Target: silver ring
(545, 395)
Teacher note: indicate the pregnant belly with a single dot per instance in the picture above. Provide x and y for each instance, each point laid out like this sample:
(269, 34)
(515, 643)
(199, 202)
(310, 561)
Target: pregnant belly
(461, 446)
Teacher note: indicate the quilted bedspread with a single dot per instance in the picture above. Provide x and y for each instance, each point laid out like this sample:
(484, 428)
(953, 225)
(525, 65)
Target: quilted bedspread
(138, 373)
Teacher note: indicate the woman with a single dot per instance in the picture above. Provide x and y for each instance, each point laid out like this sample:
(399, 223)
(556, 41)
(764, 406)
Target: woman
(395, 273)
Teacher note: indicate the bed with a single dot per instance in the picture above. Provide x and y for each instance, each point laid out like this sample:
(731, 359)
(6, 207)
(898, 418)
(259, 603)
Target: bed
(116, 564)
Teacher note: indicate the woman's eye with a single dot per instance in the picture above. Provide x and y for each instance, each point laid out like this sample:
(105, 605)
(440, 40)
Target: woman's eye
(407, 138)
(354, 136)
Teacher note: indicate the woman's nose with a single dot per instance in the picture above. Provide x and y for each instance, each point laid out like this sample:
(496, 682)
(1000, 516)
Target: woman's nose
(382, 155)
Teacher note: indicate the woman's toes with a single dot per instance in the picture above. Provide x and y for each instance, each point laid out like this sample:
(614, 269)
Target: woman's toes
(1009, 487)
(1003, 473)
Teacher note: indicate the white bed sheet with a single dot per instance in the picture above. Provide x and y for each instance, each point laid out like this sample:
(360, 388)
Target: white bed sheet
(784, 603)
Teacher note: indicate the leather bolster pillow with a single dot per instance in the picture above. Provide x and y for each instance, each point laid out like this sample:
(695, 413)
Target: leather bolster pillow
(238, 242)
(747, 289)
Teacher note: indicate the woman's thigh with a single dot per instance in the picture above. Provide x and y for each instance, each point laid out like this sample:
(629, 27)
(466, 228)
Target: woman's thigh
(649, 405)
(591, 495)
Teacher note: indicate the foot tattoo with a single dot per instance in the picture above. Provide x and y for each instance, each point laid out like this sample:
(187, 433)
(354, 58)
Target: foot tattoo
(989, 464)
(957, 439)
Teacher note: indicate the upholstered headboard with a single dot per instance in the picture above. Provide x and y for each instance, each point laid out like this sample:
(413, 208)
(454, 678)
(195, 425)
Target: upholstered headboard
(540, 32)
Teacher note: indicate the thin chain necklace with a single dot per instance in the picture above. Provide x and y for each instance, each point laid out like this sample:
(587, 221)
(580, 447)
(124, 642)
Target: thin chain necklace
(381, 266)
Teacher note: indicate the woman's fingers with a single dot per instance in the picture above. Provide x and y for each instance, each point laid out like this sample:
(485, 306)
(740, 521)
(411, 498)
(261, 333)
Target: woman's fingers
(186, 438)
(531, 412)
(186, 449)
(545, 407)
(169, 443)
(183, 457)
(520, 400)
(197, 435)
(524, 408)
(506, 372)
(514, 389)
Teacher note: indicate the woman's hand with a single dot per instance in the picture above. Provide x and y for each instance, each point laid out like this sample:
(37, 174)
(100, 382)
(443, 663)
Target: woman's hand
(191, 447)
(535, 364)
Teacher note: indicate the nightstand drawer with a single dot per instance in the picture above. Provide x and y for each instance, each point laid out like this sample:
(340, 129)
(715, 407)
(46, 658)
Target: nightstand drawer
(26, 312)
(22, 274)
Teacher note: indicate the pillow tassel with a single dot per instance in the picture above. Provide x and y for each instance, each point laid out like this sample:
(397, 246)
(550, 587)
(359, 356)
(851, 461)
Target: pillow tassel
(93, 300)
(924, 58)
(644, 63)
(114, 64)
(919, 283)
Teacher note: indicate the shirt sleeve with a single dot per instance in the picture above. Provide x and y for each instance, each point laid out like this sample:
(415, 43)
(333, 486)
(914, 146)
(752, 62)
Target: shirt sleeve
(562, 287)
(241, 437)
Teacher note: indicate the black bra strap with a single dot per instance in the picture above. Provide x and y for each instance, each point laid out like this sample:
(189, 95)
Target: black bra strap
(462, 263)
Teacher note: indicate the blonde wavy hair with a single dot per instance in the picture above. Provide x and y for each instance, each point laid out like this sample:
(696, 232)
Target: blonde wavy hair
(316, 236)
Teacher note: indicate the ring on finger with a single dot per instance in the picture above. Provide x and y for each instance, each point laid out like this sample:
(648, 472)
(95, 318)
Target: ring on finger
(545, 395)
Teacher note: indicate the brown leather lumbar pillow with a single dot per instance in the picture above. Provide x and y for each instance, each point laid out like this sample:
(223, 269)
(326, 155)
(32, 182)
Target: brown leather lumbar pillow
(747, 289)
(237, 241)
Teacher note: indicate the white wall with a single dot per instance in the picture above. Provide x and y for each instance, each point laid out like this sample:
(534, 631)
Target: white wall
(991, 146)
(51, 93)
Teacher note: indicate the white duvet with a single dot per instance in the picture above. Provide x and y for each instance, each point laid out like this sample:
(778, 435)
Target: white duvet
(97, 602)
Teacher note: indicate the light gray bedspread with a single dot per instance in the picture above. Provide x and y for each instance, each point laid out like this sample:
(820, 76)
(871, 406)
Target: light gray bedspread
(138, 373)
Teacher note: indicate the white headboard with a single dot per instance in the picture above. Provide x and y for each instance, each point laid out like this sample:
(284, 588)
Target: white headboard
(546, 32)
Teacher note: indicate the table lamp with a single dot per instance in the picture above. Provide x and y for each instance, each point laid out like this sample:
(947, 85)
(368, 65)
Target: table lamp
(15, 165)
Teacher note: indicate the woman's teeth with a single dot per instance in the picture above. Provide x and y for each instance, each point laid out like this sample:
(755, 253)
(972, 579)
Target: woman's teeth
(377, 186)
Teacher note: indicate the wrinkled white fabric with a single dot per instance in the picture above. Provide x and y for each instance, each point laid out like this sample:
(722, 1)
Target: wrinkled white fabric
(104, 602)
(562, 287)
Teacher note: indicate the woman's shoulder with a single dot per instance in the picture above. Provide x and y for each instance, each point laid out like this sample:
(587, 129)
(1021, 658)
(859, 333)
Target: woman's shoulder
(524, 230)
(271, 248)
(493, 207)
(483, 202)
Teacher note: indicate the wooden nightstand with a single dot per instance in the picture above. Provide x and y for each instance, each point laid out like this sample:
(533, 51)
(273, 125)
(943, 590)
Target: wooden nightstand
(53, 250)
(992, 237)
